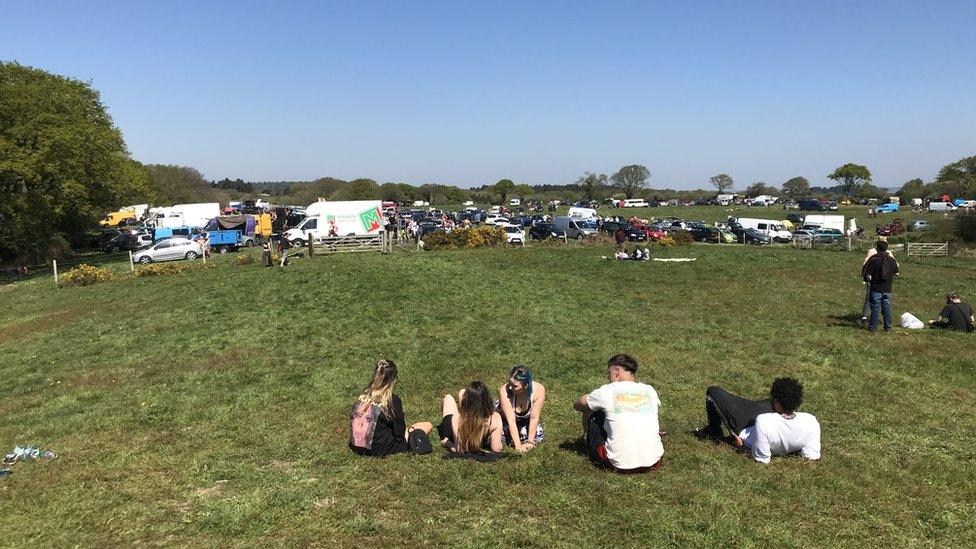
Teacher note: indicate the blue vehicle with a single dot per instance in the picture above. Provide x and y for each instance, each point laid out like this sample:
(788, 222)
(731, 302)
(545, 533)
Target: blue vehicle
(887, 208)
(168, 232)
(229, 240)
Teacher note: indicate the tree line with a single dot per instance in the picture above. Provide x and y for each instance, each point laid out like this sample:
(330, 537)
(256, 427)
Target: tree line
(64, 164)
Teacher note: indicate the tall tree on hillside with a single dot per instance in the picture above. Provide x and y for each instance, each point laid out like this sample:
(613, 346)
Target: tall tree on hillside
(63, 163)
(180, 184)
(391, 192)
(850, 176)
(867, 190)
(759, 188)
(591, 184)
(503, 187)
(362, 189)
(962, 173)
(631, 179)
(523, 191)
(913, 188)
(723, 182)
(796, 187)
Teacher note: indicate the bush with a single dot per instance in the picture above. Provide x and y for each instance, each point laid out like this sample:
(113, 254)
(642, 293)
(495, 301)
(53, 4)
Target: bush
(439, 240)
(244, 259)
(682, 238)
(86, 275)
(485, 236)
(667, 242)
(159, 269)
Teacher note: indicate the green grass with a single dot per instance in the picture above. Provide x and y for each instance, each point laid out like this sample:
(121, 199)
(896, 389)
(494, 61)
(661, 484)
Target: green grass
(209, 408)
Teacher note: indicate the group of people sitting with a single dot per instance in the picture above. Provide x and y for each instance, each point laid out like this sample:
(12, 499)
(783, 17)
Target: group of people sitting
(637, 255)
(620, 426)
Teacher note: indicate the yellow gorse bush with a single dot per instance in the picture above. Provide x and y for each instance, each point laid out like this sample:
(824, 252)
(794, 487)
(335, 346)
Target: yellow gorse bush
(86, 275)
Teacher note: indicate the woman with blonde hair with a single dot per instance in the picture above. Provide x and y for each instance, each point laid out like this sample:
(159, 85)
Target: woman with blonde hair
(471, 425)
(377, 424)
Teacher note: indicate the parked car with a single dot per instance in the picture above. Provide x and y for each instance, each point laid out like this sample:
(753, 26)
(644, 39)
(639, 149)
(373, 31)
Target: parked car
(795, 218)
(891, 207)
(827, 236)
(125, 242)
(169, 249)
(752, 236)
(811, 204)
(495, 219)
(633, 233)
(891, 229)
(706, 234)
(513, 234)
(544, 231)
(920, 225)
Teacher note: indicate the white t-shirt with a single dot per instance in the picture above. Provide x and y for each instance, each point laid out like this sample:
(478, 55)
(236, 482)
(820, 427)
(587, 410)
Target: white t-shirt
(633, 430)
(773, 434)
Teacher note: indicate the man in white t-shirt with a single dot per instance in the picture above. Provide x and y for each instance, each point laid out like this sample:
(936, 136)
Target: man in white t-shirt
(620, 421)
(764, 428)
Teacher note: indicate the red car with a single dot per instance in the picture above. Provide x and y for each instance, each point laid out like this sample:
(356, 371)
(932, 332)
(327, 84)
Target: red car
(891, 229)
(653, 235)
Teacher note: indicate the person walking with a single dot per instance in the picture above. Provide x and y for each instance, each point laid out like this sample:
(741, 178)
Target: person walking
(879, 272)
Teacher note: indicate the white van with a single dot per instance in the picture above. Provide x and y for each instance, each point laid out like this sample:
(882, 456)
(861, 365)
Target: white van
(825, 221)
(942, 207)
(577, 212)
(634, 203)
(514, 202)
(350, 217)
(771, 227)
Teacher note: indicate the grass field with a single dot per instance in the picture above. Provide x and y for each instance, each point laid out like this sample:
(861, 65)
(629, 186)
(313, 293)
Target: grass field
(209, 408)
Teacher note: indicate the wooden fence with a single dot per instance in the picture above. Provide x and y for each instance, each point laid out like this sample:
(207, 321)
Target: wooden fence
(928, 249)
(379, 242)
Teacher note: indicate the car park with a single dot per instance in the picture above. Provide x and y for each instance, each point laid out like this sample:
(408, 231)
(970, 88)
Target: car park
(170, 249)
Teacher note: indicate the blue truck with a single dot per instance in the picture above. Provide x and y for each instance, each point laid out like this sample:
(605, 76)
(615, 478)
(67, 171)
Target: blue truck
(224, 241)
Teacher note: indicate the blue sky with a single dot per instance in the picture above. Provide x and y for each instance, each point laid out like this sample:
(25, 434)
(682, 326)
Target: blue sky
(468, 93)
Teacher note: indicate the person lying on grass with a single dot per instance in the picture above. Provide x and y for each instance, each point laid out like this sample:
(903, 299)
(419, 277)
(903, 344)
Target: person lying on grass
(764, 428)
(620, 422)
(520, 402)
(377, 424)
(473, 426)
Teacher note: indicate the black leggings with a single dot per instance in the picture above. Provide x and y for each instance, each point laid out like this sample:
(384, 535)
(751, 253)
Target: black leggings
(734, 412)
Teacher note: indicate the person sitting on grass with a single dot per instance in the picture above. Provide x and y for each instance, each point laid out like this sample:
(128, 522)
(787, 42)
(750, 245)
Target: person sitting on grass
(377, 424)
(620, 422)
(520, 402)
(474, 426)
(766, 427)
(956, 315)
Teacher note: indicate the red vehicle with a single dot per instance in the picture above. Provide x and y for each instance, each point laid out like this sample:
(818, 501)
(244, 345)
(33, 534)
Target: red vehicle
(653, 235)
(891, 229)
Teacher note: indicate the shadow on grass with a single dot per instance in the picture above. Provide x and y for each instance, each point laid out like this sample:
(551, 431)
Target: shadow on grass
(851, 320)
(576, 445)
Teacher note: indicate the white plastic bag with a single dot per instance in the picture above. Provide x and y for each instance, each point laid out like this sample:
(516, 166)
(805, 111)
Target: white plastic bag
(910, 321)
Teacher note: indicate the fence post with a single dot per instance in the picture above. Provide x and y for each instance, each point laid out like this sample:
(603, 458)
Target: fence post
(908, 249)
(132, 265)
(54, 264)
(311, 246)
(848, 242)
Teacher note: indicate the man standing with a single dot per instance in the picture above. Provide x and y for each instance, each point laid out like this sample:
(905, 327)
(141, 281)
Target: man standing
(620, 421)
(620, 237)
(879, 272)
(767, 427)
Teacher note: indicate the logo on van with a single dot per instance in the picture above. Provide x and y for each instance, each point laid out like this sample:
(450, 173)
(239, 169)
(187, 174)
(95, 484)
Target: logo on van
(371, 219)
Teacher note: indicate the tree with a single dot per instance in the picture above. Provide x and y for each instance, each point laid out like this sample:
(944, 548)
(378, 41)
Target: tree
(503, 187)
(913, 188)
(630, 179)
(391, 192)
(722, 182)
(454, 195)
(796, 187)
(759, 188)
(591, 183)
(522, 191)
(361, 189)
(179, 184)
(850, 176)
(63, 163)
(962, 173)
(868, 190)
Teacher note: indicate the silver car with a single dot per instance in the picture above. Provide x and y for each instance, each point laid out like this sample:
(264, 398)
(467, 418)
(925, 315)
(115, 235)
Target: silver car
(168, 250)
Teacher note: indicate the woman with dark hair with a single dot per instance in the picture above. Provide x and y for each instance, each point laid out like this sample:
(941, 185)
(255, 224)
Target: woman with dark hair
(956, 315)
(520, 402)
(471, 425)
(377, 424)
